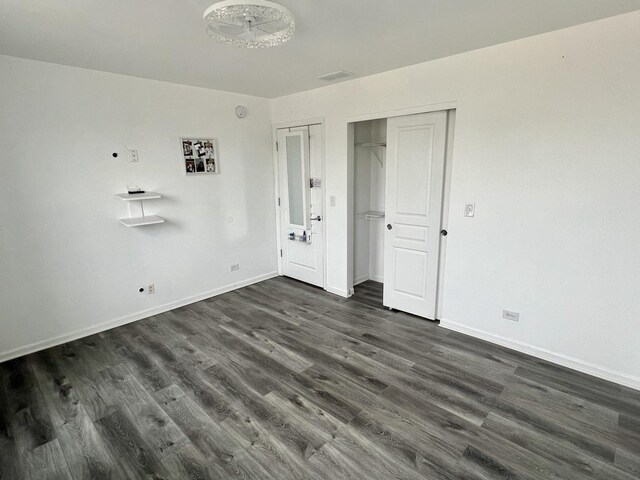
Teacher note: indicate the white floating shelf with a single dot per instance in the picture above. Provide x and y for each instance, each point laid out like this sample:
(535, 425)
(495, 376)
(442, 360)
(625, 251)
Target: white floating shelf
(137, 218)
(371, 215)
(138, 197)
(141, 221)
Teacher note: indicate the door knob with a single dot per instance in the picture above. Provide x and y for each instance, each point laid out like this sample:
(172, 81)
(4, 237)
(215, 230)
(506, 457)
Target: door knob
(444, 233)
(316, 219)
(389, 227)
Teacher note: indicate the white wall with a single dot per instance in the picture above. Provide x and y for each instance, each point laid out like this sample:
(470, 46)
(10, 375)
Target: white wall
(67, 267)
(547, 144)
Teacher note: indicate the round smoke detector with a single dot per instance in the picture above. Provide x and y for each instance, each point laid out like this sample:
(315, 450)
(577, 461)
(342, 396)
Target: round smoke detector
(249, 23)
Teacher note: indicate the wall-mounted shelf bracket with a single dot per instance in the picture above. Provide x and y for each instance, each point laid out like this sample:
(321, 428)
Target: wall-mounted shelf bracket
(137, 218)
(374, 146)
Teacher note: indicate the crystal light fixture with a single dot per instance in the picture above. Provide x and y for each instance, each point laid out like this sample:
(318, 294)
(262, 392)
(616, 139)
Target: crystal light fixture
(249, 23)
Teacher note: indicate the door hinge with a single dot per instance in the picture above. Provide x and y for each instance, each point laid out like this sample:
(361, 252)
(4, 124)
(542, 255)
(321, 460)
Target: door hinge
(280, 252)
(277, 147)
(278, 201)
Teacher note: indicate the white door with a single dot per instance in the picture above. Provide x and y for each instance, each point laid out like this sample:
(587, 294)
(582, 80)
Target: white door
(416, 147)
(301, 203)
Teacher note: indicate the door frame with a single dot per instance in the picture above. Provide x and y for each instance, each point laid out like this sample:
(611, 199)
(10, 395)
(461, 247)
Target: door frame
(453, 109)
(276, 169)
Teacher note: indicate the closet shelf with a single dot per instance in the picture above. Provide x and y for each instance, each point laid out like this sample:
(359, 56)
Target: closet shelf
(371, 215)
(141, 221)
(138, 197)
(371, 145)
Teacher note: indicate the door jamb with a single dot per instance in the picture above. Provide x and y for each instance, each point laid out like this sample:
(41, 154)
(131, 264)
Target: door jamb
(276, 168)
(446, 199)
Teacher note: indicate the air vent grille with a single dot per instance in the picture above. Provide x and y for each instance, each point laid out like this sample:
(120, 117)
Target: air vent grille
(330, 77)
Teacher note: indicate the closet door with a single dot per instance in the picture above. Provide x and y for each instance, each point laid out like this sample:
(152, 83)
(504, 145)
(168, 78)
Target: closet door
(416, 146)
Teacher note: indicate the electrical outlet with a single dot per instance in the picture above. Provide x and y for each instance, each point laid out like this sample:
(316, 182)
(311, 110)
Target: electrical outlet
(469, 209)
(133, 156)
(235, 267)
(509, 315)
(151, 289)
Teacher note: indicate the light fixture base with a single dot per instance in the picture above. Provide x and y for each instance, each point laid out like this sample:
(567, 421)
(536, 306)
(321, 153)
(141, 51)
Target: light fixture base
(249, 23)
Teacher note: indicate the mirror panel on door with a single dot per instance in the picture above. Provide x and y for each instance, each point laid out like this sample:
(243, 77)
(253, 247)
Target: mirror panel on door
(297, 149)
(301, 252)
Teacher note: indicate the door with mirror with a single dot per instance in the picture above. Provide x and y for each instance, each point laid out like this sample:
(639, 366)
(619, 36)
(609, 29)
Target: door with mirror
(301, 203)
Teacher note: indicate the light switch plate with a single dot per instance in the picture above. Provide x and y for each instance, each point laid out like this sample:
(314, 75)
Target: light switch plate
(332, 201)
(469, 209)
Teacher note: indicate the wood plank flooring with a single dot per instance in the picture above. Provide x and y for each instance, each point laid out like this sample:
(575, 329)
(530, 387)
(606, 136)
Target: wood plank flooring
(281, 380)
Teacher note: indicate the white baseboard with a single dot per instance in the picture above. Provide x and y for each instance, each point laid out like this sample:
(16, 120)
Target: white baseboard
(365, 277)
(360, 279)
(68, 337)
(564, 360)
(337, 291)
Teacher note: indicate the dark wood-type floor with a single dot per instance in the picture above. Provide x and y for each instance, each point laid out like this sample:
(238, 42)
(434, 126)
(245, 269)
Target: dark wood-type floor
(283, 381)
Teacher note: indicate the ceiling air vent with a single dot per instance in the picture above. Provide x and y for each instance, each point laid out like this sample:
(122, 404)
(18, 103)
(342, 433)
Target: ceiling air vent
(330, 77)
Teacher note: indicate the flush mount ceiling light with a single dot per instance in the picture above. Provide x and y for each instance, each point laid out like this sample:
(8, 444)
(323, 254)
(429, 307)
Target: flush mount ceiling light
(249, 23)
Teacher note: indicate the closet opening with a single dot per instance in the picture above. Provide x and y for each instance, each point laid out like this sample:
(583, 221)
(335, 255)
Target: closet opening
(369, 163)
(399, 170)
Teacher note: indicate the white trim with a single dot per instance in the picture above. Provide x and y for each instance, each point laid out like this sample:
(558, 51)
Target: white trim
(446, 208)
(401, 112)
(350, 203)
(360, 279)
(276, 198)
(337, 291)
(557, 358)
(365, 277)
(85, 332)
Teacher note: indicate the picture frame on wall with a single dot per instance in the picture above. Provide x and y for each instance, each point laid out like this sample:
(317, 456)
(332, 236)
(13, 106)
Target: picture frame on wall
(200, 156)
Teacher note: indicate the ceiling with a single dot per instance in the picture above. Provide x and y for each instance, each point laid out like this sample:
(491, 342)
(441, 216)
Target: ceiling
(165, 39)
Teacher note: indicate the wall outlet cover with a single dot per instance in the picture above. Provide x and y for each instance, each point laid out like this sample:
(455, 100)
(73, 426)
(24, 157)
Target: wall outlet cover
(235, 267)
(469, 209)
(509, 315)
(151, 288)
(133, 156)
